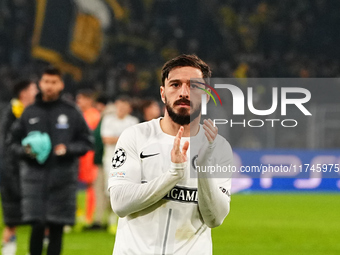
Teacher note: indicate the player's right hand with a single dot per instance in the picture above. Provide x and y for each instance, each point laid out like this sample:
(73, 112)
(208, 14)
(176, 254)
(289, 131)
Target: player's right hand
(178, 156)
(29, 152)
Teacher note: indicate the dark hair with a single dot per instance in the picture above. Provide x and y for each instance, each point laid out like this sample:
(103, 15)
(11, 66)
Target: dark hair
(101, 98)
(89, 93)
(124, 98)
(147, 102)
(51, 70)
(185, 60)
(20, 86)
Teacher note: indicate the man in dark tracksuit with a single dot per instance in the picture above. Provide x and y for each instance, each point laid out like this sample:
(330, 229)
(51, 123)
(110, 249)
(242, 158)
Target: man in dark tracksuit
(24, 93)
(49, 189)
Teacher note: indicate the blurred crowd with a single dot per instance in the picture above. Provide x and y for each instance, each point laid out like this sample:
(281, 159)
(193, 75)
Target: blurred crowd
(107, 120)
(237, 38)
(41, 190)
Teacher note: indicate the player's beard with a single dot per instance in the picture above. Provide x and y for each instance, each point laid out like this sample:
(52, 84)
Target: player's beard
(182, 117)
(50, 95)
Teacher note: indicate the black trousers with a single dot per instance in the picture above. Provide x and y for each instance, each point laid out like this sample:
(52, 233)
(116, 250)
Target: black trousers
(55, 238)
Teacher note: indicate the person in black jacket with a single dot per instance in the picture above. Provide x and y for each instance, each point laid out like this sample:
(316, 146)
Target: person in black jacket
(24, 93)
(49, 188)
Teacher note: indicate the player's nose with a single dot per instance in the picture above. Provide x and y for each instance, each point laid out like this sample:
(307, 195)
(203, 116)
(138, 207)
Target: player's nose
(185, 91)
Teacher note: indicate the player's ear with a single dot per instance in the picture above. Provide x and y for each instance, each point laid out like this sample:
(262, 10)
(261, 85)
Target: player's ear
(208, 96)
(162, 93)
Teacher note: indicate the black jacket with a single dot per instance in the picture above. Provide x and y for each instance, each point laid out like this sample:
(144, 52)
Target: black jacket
(49, 190)
(10, 182)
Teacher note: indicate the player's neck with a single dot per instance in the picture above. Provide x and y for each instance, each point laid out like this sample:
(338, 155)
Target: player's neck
(169, 127)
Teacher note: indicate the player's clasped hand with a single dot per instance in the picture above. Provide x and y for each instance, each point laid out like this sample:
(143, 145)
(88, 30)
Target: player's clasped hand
(178, 156)
(207, 149)
(210, 130)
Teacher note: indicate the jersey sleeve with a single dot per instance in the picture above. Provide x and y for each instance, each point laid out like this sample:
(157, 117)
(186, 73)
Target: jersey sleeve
(214, 193)
(225, 158)
(127, 194)
(125, 167)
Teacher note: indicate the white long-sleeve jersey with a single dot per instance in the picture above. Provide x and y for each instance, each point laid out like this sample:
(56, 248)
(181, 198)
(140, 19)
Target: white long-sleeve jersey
(162, 209)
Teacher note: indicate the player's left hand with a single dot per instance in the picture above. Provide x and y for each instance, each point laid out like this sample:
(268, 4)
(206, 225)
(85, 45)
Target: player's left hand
(60, 149)
(206, 150)
(210, 130)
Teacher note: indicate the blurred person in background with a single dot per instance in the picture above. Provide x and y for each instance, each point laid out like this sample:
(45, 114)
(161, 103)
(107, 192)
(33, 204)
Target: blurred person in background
(150, 109)
(111, 128)
(24, 93)
(49, 137)
(102, 200)
(87, 169)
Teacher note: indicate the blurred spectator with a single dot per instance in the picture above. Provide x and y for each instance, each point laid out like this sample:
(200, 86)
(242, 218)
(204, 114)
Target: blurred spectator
(24, 93)
(112, 126)
(87, 169)
(258, 38)
(270, 38)
(150, 109)
(85, 102)
(100, 185)
(49, 173)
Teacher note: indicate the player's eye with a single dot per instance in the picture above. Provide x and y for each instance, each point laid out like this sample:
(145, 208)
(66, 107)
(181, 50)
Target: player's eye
(193, 86)
(175, 84)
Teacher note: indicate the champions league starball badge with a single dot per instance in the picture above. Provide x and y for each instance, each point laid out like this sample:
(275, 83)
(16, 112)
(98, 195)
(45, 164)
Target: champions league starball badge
(119, 158)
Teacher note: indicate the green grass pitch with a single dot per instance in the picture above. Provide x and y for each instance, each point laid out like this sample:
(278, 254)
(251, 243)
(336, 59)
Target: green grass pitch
(258, 224)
